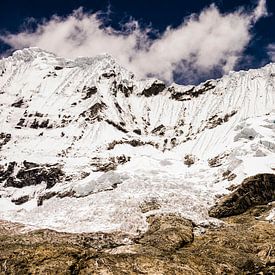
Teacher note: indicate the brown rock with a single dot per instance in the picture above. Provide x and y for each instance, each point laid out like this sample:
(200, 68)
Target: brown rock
(255, 190)
(168, 232)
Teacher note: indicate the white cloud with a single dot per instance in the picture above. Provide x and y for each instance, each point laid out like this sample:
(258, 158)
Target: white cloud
(201, 43)
(260, 10)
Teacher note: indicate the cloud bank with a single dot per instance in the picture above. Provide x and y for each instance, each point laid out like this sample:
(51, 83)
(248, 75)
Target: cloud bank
(203, 42)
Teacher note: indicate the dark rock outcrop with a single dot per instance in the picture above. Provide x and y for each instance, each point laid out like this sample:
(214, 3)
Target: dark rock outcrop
(6, 173)
(20, 200)
(18, 103)
(255, 190)
(4, 139)
(94, 112)
(159, 130)
(133, 142)
(189, 160)
(89, 91)
(120, 128)
(215, 120)
(105, 165)
(126, 90)
(154, 89)
(31, 174)
(191, 93)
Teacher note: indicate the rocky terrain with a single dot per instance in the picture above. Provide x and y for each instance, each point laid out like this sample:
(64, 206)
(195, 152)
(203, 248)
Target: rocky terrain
(104, 173)
(244, 244)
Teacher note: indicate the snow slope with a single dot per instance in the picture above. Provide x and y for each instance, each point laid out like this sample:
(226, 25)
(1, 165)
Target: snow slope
(123, 144)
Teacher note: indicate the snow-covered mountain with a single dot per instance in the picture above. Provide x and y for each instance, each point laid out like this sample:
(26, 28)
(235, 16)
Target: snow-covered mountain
(86, 146)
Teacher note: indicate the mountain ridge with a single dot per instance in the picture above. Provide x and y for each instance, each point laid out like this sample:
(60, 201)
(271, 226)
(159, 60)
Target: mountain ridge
(88, 129)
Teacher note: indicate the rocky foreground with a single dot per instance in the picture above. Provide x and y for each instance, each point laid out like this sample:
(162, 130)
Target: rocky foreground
(244, 244)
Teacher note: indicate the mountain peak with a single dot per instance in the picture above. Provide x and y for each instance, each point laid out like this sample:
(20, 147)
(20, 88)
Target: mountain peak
(86, 130)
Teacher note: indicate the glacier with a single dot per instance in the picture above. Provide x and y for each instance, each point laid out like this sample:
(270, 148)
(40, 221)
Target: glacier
(116, 142)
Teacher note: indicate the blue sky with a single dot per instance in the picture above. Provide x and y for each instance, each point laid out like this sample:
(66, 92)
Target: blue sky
(250, 43)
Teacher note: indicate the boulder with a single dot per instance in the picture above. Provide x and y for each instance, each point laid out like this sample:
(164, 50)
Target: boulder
(167, 232)
(255, 190)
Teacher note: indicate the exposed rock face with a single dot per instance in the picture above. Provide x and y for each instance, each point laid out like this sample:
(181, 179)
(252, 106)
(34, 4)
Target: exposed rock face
(51, 194)
(5, 173)
(215, 120)
(168, 232)
(18, 103)
(93, 113)
(117, 126)
(20, 200)
(133, 142)
(189, 160)
(255, 190)
(4, 139)
(244, 247)
(31, 174)
(216, 161)
(89, 91)
(126, 90)
(154, 89)
(105, 165)
(191, 93)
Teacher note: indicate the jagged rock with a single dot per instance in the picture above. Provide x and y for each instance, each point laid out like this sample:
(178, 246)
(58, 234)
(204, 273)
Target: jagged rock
(109, 74)
(137, 131)
(35, 124)
(133, 142)
(215, 120)
(189, 160)
(49, 195)
(167, 232)
(5, 173)
(255, 190)
(160, 130)
(21, 122)
(217, 160)
(20, 200)
(228, 175)
(105, 165)
(50, 74)
(4, 139)
(191, 93)
(18, 103)
(37, 114)
(154, 89)
(93, 113)
(126, 90)
(89, 91)
(44, 124)
(32, 174)
(116, 126)
(44, 197)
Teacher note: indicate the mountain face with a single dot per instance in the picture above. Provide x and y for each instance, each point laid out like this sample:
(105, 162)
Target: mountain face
(86, 146)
